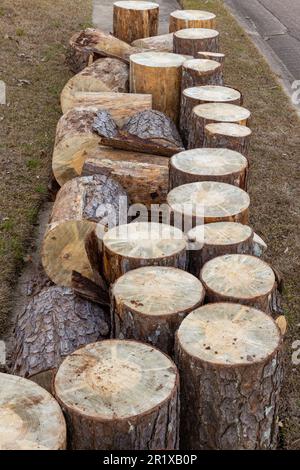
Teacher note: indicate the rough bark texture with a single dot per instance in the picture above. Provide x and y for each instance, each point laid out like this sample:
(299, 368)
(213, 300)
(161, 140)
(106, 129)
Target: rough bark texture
(181, 19)
(138, 406)
(199, 72)
(229, 404)
(191, 41)
(227, 135)
(143, 176)
(217, 56)
(137, 21)
(147, 132)
(162, 43)
(149, 304)
(54, 324)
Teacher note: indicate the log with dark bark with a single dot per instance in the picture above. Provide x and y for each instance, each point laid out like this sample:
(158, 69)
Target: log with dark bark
(192, 40)
(135, 20)
(147, 132)
(181, 19)
(148, 304)
(199, 72)
(55, 323)
(227, 135)
(231, 370)
(217, 56)
(162, 43)
(119, 395)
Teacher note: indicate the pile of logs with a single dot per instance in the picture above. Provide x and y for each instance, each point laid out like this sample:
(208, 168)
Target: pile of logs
(148, 120)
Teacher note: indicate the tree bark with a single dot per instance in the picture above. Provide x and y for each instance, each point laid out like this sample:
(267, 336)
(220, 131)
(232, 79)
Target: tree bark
(137, 408)
(230, 384)
(227, 135)
(217, 56)
(182, 19)
(135, 20)
(199, 72)
(162, 43)
(191, 41)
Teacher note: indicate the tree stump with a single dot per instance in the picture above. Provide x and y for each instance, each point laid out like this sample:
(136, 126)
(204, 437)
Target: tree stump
(217, 56)
(208, 201)
(30, 417)
(158, 73)
(210, 164)
(135, 20)
(55, 323)
(214, 113)
(181, 19)
(240, 278)
(162, 43)
(80, 204)
(191, 41)
(138, 244)
(230, 363)
(211, 240)
(119, 395)
(148, 304)
(227, 135)
(194, 96)
(199, 72)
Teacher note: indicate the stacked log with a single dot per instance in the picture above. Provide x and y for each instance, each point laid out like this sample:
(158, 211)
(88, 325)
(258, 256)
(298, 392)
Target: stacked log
(199, 72)
(217, 56)
(181, 19)
(227, 135)
(148, 304)
(162, 43)
(119, 395)
(192, 40)
(135, 20)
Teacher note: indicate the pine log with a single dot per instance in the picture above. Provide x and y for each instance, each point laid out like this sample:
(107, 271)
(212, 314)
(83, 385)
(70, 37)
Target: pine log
(227, 135)
(194, 96)
(208, 201)
(199, 72)
(148, 304)
(240, 278)
(208, 164)
(80, 204)
(30, 417)
(149, 132)
(191, 41)
(158, 73)
(214, 113)
(259, 246)
(217, 56)
(162, 43)
(143, 176)
(135, 20)
(139, 244)
(181, 19)
(55, 323)
(119, 395)
(231, 369)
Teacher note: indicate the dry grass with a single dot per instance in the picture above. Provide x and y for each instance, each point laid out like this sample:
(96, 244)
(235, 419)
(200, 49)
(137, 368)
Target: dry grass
(33, 36)
(274, 186)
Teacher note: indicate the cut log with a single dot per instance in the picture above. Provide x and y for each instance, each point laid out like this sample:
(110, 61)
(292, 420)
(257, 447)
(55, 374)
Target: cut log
(30, 417)
(208, 164)
(211, 240)
(227, 135)
(135, 20)
(91, 44)
(239, 278)
(139, 244)
(208, 201)
(143, 176)
(194, 96)
(119, 395)
(231, 370)
(55, 323)
(80, 204)
(191, 41)
(217, 56)
(162, 43)
(259, 246)
(158, 73)
(181, 19)
(211, 113)
(150, 303)
(199, 72)
(146, 132)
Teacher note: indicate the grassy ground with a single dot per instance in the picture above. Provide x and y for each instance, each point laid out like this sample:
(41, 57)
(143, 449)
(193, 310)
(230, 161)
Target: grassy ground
(274, 187)
(33, 37)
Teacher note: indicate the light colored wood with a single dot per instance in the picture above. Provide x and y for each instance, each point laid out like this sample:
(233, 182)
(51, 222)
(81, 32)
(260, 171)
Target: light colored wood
(199, 72)
(259, 246)
(282, 324)
(181, 19)
(158, 73)
(113, 393)
(194, 96)
(231, 370)
(239, 278)
(135, 20)
(138, 244)
(162, 43)
(208, 164)
(217, 56)
(30, 417)
(209, 201)
(191, 41)
(227, 135)
(214, 113)
(150, 303)
(80, 204)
